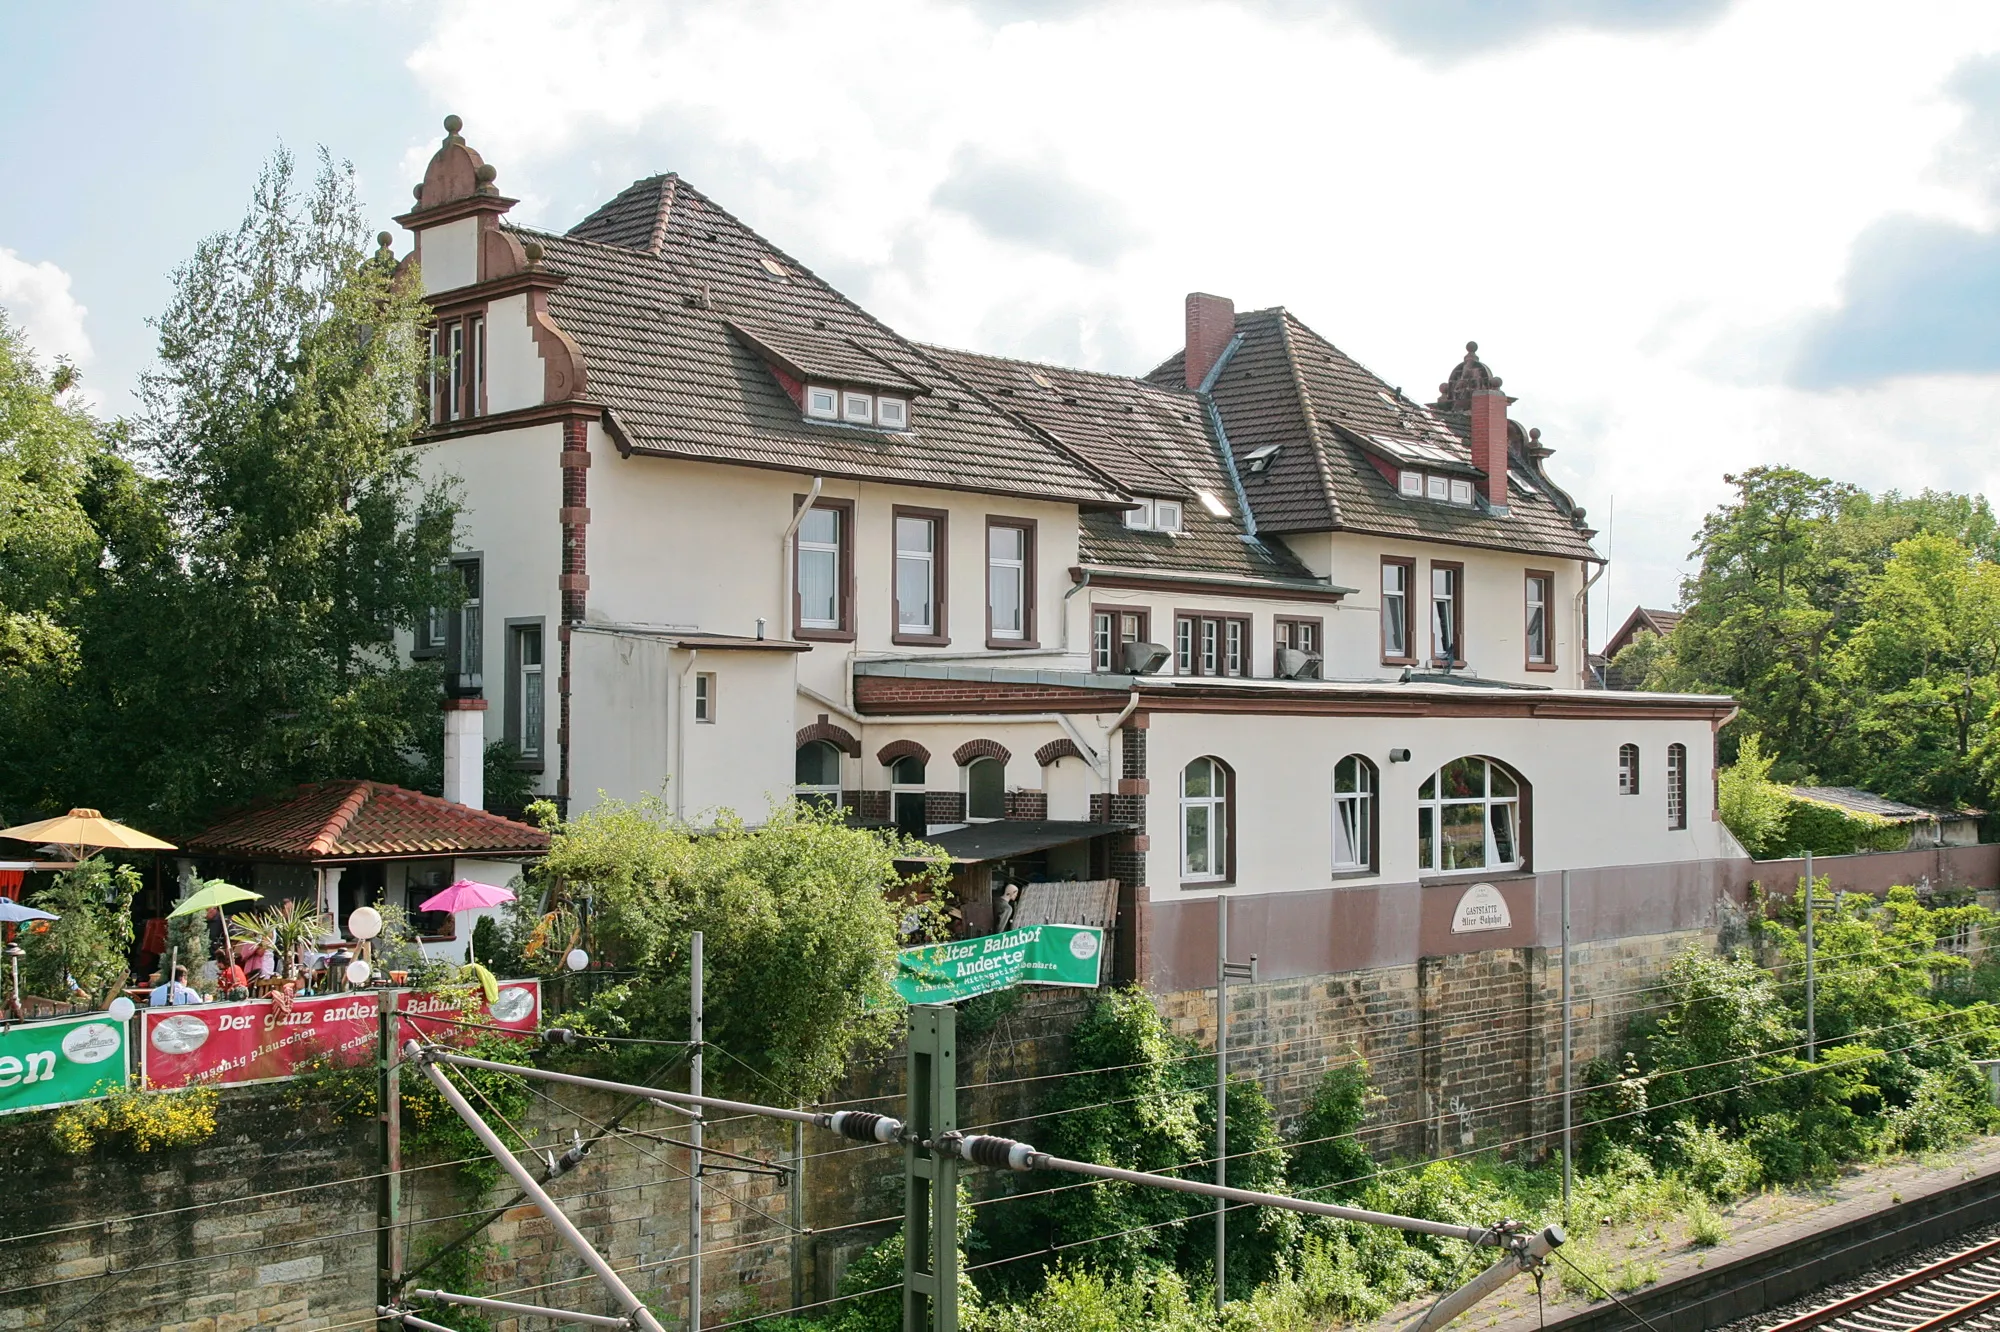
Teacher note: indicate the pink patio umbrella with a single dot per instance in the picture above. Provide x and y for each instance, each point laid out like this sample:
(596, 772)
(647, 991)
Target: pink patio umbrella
(465, 895)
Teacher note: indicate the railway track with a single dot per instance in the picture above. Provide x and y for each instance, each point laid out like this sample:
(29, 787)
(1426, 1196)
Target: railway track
(1961, 1291)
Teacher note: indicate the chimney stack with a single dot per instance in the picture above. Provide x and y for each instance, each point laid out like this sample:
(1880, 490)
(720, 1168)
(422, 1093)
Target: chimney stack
(1475, 390)
(465, 751)
(1211, 323)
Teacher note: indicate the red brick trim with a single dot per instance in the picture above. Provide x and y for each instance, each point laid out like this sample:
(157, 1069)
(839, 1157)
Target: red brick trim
(973, 749)
(838, 736)
(897, 749)
(1057, 749)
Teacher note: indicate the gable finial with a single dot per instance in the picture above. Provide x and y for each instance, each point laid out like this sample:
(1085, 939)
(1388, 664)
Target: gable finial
(1468, 377)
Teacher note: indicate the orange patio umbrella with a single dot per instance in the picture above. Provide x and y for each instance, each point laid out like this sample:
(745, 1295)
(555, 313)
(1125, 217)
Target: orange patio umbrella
(85, 829)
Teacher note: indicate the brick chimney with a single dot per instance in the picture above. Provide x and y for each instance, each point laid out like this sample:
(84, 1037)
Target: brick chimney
(1475, 390)
(1211, 323)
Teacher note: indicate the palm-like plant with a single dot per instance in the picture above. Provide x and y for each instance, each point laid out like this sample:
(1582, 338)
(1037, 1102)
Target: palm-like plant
(285, 929)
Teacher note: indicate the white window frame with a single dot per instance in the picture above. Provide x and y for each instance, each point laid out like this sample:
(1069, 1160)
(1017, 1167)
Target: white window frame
(1141, 518)
(1103, 639)
(892, 413)
(1432, 808)
(1437, 488)
(476, 380)
(926, 560)
(1461, 492)
(1536, 630)
(1398, 597)
(1184, 645)
(857, 408)
(1677, 788)
(1410, 484)
(829, 549)
(454, 370)
(1166, 515)
(1010, 566)
(822, 404)
(1354, 817)
(704, 697)
(1628, 769)
(1447, 634)
(1232, 649)
(1215, 841)
(529, 741)
(917, 790)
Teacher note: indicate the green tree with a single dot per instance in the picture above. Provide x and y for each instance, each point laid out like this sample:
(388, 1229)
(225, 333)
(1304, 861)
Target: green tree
(238, 636)
(799, 930)
(85, 951)
(1754, 807)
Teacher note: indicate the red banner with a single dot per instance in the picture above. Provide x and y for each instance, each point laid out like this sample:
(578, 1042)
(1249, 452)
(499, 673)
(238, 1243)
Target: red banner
(250, 1041)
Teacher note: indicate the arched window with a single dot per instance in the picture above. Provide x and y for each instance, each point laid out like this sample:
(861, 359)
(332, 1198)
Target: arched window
(1469, 817)
(817, 774)
(985, 789)
(1206, 821)
(1677, 787)
(1628, 770)
(1353, 814)
(906, 795)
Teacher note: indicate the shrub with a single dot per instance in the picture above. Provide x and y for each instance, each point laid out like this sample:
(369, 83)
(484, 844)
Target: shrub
(1711, 1163)
(1329, 1159)
(141, 1120)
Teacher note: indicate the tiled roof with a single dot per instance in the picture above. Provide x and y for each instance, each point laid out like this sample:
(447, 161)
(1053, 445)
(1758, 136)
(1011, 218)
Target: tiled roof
(353, 820)
(1153, 441)
(1325, 413)
(1661, 622)
(1867, 802)
(653, 281)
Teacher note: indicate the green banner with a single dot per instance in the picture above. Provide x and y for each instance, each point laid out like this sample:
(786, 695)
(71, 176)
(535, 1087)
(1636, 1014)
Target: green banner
(45, 1064)
(942, 973)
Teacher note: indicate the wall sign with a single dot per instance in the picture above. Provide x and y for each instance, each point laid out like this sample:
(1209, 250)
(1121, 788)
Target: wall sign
(942, 973)
(46, 1064)
(1481, 908)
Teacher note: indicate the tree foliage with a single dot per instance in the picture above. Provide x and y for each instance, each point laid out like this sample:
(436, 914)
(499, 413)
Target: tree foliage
(1860, 633)
(800, 928)
(215, 584)
(83, 952)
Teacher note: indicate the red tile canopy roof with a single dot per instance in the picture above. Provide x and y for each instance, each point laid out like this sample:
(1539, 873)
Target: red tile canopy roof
(356, 820)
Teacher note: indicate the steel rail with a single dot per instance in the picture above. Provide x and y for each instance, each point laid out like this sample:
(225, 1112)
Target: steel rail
(1910, 1302)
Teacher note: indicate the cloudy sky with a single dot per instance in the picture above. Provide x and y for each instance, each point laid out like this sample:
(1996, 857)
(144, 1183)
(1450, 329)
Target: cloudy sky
(1692, 235)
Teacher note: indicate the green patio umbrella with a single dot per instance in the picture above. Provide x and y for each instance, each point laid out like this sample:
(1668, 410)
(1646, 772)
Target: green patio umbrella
(215, 893)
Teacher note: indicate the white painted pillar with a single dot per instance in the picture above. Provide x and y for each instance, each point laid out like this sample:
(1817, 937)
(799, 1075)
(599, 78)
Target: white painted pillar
(465, 751)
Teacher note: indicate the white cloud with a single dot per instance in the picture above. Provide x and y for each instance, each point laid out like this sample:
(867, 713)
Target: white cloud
(38, 299)
(1625, 221)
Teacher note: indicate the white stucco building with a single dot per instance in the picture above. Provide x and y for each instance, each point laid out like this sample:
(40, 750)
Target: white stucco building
(1282, 633)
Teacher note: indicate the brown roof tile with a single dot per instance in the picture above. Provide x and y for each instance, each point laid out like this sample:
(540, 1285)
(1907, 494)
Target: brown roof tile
(654, 280)
(355, 820)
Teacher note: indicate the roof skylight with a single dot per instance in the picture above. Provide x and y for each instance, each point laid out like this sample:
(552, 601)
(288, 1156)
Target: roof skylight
(773, 267)
(1212, 504)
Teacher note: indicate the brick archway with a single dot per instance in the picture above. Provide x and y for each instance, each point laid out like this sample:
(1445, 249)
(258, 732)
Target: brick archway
(838, 736)
(977, 749)
(901, 749)
(1057, 749)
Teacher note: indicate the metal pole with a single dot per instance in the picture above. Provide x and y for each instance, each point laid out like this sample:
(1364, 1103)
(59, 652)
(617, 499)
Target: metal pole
(530, 1310)
(1221, 1091)
(1566, 1047)
(797, 1200)
(1526, 1257)
(694, 1132)
(389, 1142)
(930, 1172)
(635, 1308)
(669, 1098)
(1812, 1034)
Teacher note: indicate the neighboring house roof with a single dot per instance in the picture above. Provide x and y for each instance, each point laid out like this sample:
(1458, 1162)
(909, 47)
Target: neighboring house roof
(1154, 442)
(1322, 415)
(360, 820)
(1858, 801)
(1660, 622)
(687, 317)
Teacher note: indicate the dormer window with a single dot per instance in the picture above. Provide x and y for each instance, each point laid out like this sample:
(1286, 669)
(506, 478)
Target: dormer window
(1437, 488)
(1425, 485)
(822, 404)
(1155, 515)
(857, 408)
(1461, 492)
(1411, 484)
(892, 413)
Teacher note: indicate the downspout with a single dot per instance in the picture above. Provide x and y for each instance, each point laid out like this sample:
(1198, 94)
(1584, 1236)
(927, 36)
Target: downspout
(1583, 625)
(680, 735)
(1063, 643)
(785, 553)
(1131, 706)
(1206, 394)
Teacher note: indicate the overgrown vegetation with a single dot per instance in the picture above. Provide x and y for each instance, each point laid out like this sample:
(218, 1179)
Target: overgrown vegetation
(142, 1121)
(82, 956)
(801, 919)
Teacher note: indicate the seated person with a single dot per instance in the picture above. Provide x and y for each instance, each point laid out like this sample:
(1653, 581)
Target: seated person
(176, 991)
(230, 980)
